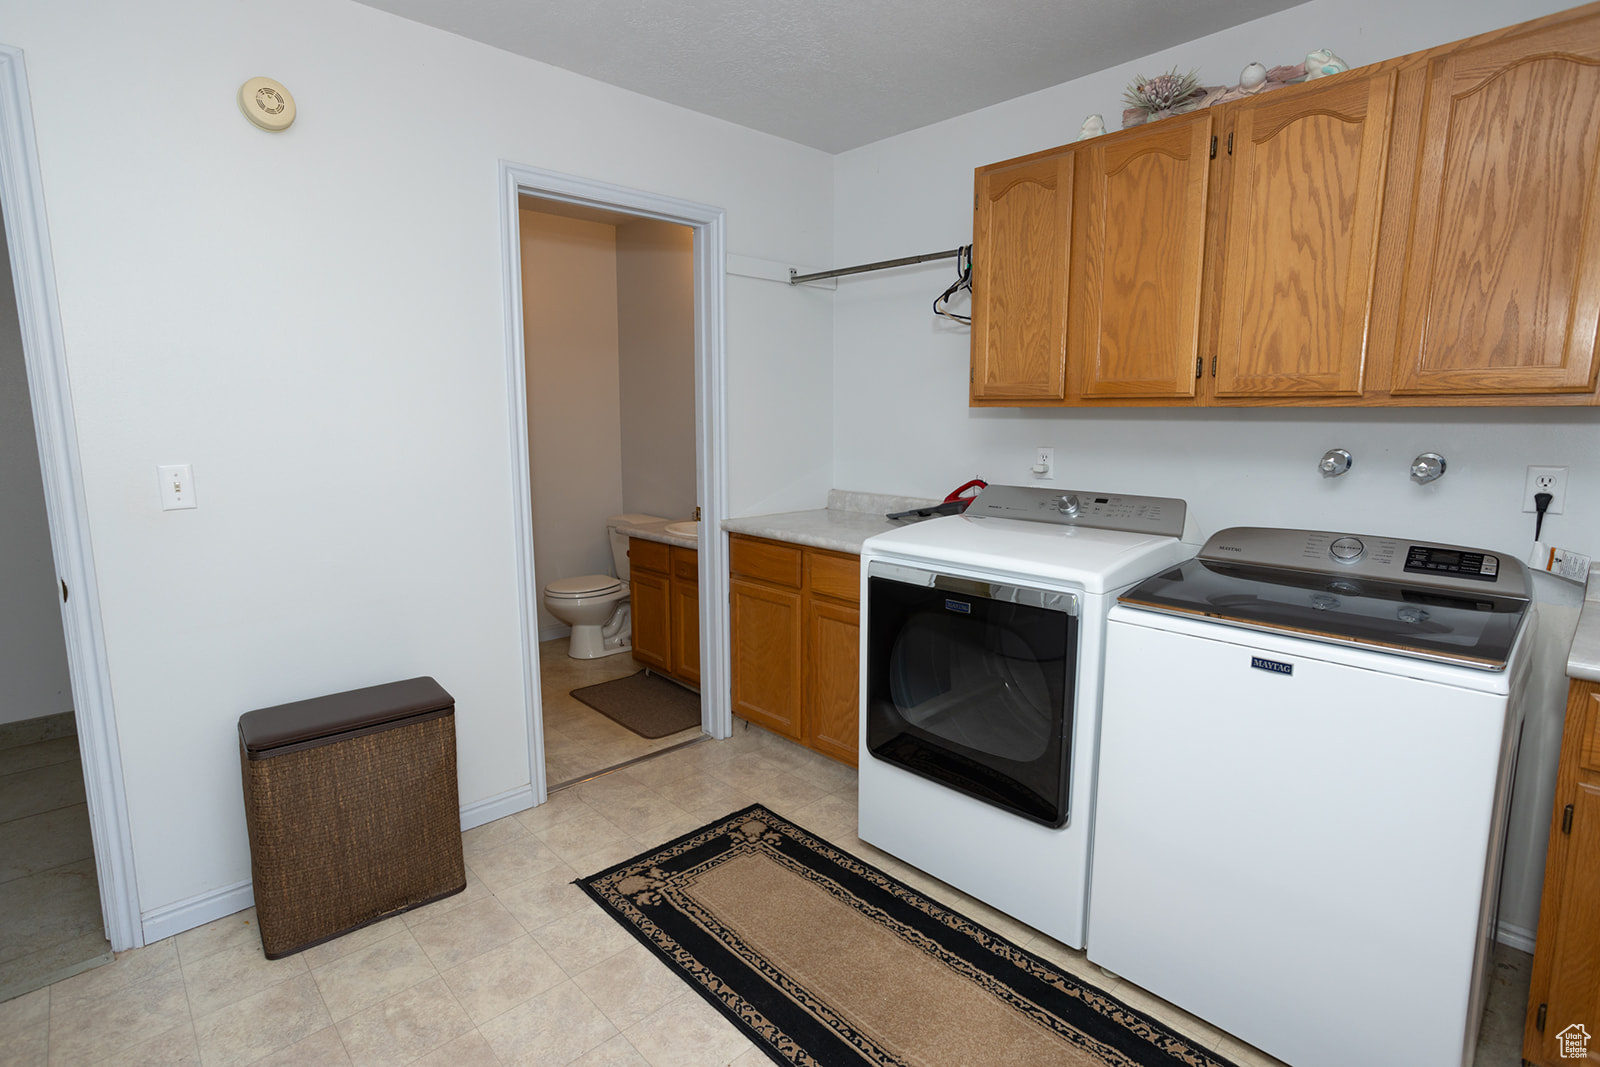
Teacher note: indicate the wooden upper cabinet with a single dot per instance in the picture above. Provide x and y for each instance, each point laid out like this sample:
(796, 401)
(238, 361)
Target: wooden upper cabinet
(1134, 327)
(1021, 233)
(1502, 282)
(1303, 204)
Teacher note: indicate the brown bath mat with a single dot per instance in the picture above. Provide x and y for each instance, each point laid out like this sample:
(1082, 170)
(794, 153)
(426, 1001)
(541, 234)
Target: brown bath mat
(645, 703)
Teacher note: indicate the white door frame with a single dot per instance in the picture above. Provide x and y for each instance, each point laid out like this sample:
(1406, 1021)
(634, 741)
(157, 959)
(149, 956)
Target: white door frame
(44, 353)
(711, 453)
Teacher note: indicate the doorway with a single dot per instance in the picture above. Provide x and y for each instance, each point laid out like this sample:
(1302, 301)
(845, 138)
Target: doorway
(50, 923)
(707, 223)
(39, 321)
(608, 320)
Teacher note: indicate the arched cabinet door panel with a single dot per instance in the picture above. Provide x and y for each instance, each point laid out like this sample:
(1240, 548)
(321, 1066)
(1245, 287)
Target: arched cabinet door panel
(1502, 281)
(1134, 325)
(1021, 236)
(1304, 201)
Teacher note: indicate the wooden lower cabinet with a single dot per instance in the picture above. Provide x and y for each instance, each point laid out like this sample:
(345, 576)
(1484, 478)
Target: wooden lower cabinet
(664, 590)
(796, 639)
(832, 678)
(651, 614)
(767, 652)
(685, 601)
(1564, 1000)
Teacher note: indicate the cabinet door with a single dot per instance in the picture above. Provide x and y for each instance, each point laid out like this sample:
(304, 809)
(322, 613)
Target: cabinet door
(833, 695)
(651, 615)
(1502, 281)
(1303, 199)
(1574, 993)
(1134, 326)
(767, 638)
(686, 630)
(1566, 957)
(685, 593)
(1021, 233)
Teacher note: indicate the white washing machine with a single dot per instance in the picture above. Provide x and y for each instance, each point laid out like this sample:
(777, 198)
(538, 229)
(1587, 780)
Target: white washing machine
(1305, 771)
(982, 640)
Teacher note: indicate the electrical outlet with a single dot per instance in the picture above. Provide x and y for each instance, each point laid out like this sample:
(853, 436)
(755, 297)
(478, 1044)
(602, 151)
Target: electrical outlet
(1552, 480)
(1044, 463)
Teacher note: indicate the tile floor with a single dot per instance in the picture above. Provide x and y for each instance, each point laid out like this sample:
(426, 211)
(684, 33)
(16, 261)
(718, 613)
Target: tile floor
(579, 741)
(50, 921)
(521, 968)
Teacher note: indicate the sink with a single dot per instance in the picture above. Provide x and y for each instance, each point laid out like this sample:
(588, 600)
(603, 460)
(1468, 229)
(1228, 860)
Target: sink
(684, 529)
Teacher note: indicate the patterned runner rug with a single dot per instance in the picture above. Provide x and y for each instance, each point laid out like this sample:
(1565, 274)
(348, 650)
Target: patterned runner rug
(824, 960)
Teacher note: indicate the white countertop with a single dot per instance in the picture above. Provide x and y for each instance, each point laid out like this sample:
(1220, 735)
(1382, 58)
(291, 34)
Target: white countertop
(657, 531)
(848, 520)
(1584, 659)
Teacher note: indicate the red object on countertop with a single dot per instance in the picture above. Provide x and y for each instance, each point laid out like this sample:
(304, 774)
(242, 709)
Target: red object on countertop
(955, 494)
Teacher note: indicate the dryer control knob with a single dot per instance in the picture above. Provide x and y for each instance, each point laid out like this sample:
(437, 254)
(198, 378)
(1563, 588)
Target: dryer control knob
(1347, 549)
(1068, 505)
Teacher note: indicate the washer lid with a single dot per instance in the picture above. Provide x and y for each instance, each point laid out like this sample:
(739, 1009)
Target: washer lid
(1467, 627)
(587, 585)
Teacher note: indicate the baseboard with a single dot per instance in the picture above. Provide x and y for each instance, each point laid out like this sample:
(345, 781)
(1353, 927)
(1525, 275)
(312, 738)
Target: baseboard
(173, 919)
(551, 633)
(497, 807)
(160, 923)
(1515, 936)
(32, 731)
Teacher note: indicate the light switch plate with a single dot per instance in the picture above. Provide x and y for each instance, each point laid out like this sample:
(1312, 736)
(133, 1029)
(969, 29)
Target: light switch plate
(177, 486)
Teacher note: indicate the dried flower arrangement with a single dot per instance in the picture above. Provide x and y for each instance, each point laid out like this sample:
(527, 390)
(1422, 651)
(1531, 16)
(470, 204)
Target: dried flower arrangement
(1163, 95)
(1172, 93)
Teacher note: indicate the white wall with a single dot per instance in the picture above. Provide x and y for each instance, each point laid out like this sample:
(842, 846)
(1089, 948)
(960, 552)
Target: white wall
(655, 330)
(569, 320)
(913, 193)
(315, 320)
(33, 653)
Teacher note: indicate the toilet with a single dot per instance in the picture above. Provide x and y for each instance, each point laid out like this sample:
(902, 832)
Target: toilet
(596, 605)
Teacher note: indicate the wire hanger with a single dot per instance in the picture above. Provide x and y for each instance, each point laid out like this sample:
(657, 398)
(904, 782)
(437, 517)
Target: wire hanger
(963, 281)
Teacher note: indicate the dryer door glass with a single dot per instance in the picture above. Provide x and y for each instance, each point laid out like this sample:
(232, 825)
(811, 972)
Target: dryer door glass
(971, 686)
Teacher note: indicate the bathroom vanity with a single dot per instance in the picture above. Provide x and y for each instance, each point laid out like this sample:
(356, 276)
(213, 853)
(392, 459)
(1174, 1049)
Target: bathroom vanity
(665, 591)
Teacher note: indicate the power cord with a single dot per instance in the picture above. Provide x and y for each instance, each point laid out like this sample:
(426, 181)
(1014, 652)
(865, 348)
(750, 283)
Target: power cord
(1541, 504)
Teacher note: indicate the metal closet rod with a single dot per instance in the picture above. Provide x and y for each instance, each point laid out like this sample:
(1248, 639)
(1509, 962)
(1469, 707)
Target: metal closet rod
(884, 264)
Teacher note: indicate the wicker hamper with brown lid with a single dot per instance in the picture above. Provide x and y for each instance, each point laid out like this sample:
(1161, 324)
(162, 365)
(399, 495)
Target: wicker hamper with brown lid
(352, 809)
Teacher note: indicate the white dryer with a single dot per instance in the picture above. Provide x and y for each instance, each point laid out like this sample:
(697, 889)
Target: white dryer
(981, 651)
(1305, 772)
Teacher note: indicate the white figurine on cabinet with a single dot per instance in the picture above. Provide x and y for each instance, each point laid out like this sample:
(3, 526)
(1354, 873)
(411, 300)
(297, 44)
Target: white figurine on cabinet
(1321, 63)
(1093, 126)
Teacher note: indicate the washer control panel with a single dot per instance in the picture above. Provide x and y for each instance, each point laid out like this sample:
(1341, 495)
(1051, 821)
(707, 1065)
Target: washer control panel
(1421, 563)
(1079, 507)
(1463, 563)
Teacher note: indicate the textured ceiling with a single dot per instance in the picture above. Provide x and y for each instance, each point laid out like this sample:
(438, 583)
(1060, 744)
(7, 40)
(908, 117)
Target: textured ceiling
(833, 74)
